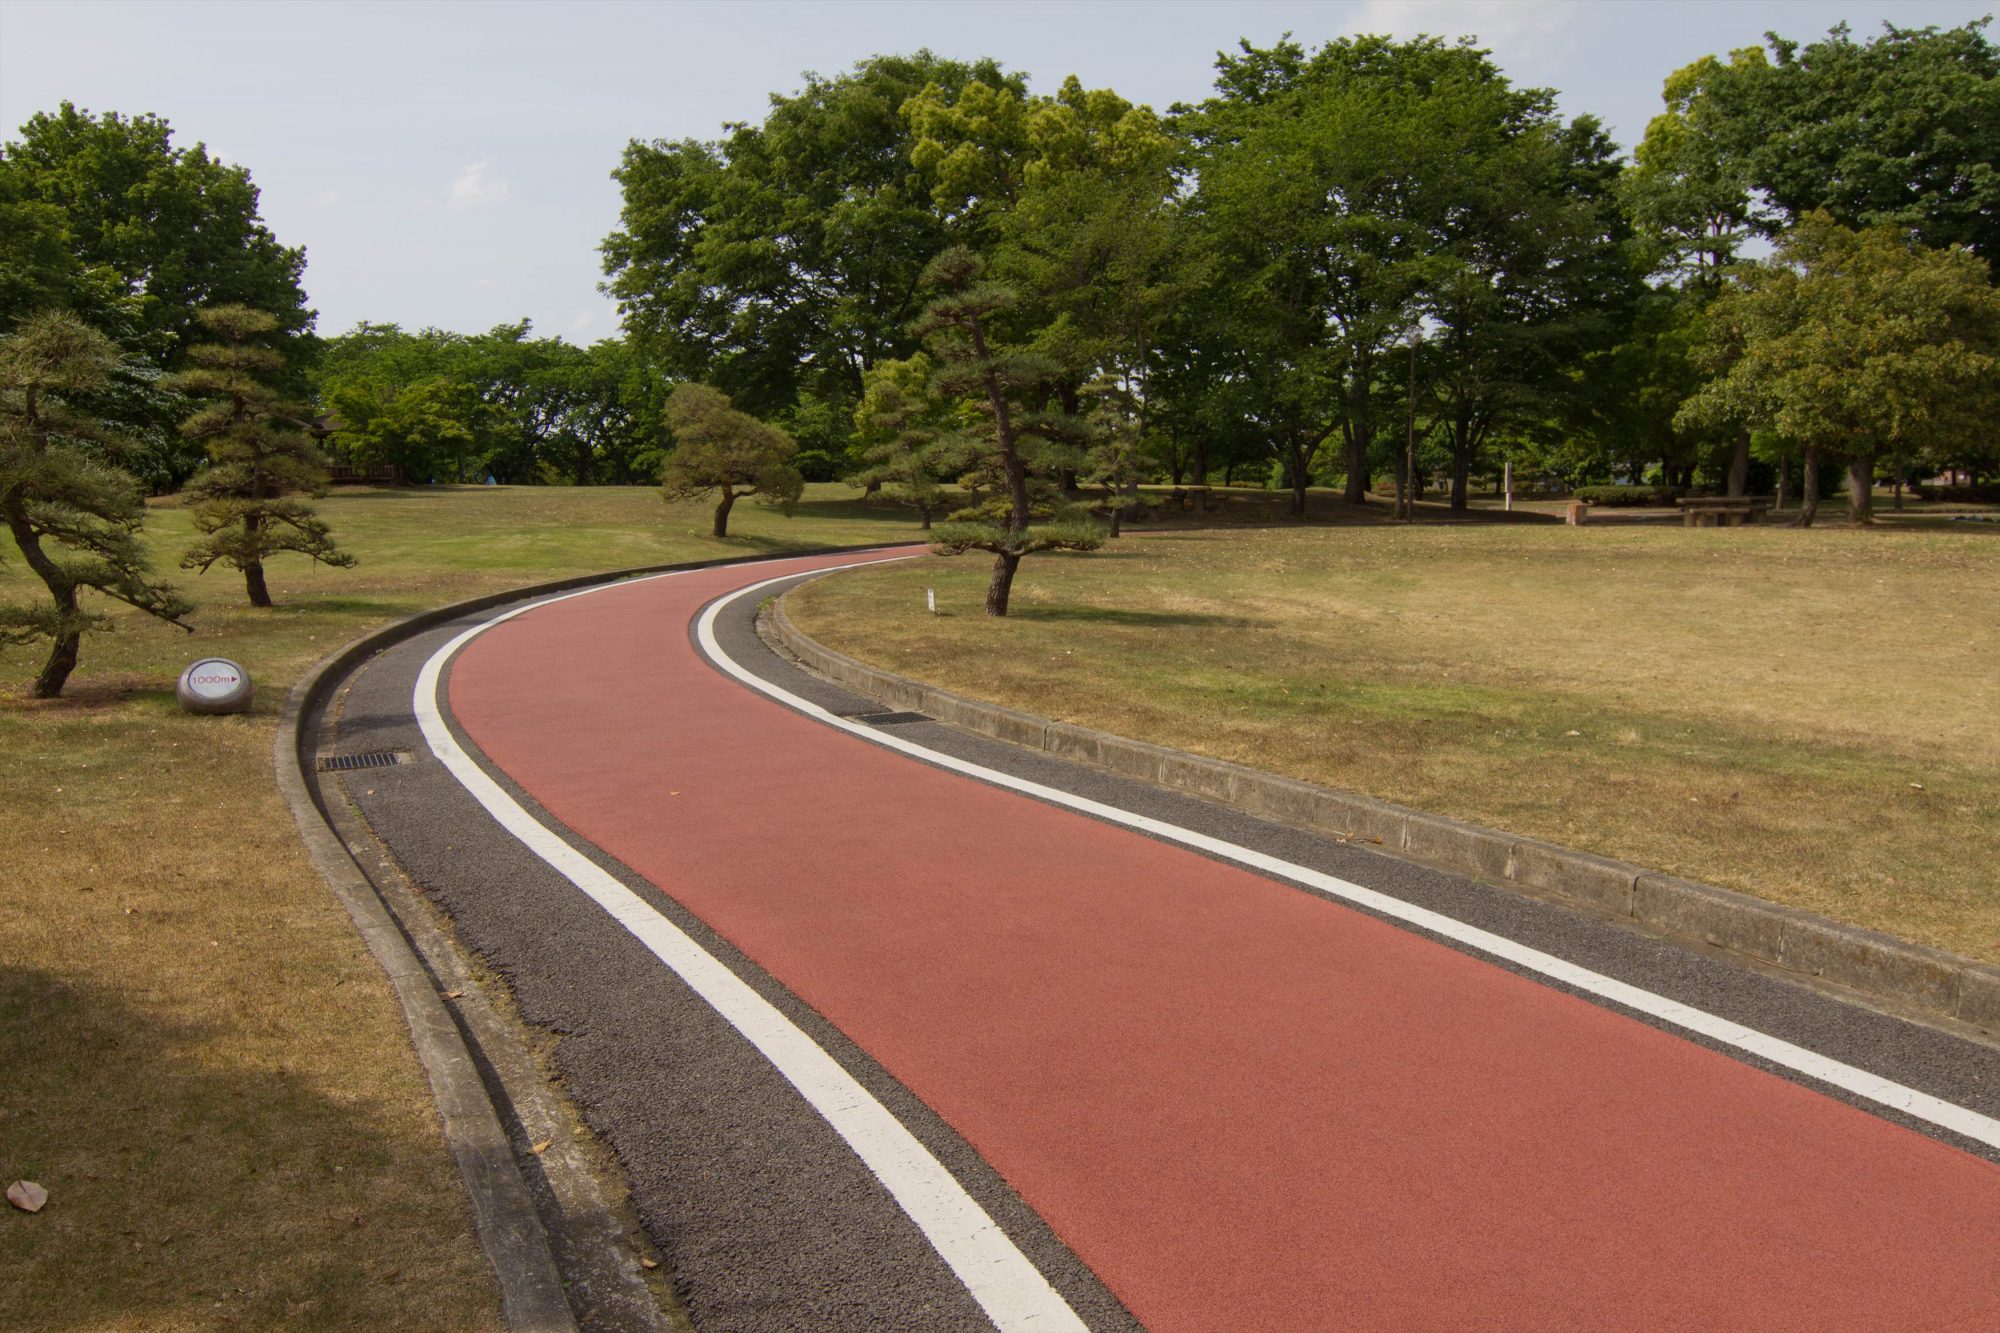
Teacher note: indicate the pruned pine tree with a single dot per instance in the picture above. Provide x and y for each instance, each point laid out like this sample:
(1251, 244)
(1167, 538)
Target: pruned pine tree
(1018, 429)
(1115, 459)
(905, 430)
(72, 512)
(261, 455)
(717, 448)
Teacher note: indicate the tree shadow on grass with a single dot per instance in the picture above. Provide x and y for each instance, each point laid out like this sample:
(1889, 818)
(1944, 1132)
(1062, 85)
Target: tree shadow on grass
(185, 1189)
(1104, 615)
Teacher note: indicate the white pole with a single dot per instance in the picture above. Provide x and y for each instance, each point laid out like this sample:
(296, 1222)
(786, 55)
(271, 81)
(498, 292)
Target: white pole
(1510, 485)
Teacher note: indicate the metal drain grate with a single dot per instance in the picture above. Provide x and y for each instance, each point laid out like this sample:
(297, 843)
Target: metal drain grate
(335, 763)
(889, 719)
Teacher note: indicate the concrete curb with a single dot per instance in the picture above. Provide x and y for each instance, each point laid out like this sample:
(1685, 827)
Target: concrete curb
(1929, 981)
(509, 1229)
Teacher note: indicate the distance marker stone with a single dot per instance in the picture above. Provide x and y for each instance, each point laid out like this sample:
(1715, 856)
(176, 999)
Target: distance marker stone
(214, 685)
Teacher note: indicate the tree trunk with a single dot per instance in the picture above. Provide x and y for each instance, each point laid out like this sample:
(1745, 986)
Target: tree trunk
(1116, 512)
(722, 512)
(924, 514)
(1861, 489)
(1357, 464)
(62, 656)
(1783, 465)
(1461, 452)
(1200, 469)
(1004, 565)
(62, 661)
(1739, 465)
(253, 580)
(253, 573)
(1809, 488)
(1301, 462)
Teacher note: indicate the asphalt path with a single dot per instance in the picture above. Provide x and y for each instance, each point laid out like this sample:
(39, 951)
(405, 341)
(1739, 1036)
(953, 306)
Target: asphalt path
(1132, 1079)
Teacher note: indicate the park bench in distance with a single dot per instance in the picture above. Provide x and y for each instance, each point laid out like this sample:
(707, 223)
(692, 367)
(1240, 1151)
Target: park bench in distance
(1708, 511)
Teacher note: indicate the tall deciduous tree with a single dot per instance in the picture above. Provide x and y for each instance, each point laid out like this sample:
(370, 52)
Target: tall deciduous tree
(717, 448)
(785, 258)
(1856, 343)
(1899, 131)
(246, 503)
(72, 512)
(1355, 191)
(1018, 432)
(150, 233)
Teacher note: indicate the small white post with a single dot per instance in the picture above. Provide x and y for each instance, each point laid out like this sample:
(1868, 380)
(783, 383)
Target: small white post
(1510, 485)
(930, 599)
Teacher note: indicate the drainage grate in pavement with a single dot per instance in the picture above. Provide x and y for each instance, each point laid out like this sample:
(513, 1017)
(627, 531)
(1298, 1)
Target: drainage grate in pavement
(334, 763)
(889, 719)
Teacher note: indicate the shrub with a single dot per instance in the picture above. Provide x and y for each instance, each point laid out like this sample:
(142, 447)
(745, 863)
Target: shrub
(1628, 495)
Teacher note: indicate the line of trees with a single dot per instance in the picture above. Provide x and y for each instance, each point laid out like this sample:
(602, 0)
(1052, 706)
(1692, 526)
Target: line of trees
(1340, 249)
(1374, 260)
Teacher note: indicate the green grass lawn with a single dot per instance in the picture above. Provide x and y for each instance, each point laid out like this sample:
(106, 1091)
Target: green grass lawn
(201, 1061)
(1813, 717)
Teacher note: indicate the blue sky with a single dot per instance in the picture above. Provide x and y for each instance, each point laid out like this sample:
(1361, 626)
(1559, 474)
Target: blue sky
(448, 163)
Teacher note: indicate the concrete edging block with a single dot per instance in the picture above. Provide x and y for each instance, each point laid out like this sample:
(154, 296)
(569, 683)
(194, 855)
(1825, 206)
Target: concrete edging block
(1979, 997)
(1592, 881)
(1455, 845)
(1353, 817)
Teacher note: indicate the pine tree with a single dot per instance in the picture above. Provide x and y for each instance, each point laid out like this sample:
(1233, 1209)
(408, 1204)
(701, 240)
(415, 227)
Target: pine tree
(904, 431)
(1116, 459)
(1021, 430)
(74, 514)
(717, 448)
(261, 455)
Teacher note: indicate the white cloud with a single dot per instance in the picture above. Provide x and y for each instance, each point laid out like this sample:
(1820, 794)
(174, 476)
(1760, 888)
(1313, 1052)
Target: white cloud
(327, 199)
(1526, 30)
(476, 186)
(582, 322)
(487, 284)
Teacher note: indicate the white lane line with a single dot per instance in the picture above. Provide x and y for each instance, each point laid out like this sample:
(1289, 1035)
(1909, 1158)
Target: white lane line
(1873, 1087)
(1010, 1289)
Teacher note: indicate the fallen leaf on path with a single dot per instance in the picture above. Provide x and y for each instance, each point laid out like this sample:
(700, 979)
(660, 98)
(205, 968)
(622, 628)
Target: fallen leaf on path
(540, 1148)
(454, 994)
(27, 1196)
(649, 1263)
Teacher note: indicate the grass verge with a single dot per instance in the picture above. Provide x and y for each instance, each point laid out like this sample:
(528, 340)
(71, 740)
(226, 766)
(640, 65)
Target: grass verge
(1812, 717)
(201, 1062)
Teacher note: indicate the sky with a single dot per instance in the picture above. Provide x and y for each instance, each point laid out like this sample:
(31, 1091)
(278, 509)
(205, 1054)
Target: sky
(448, 164)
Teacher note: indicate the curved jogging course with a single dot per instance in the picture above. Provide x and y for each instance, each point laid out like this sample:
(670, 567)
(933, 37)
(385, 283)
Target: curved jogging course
(1084, 1056)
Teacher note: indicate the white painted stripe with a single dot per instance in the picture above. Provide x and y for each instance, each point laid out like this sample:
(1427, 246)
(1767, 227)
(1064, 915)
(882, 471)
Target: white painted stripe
(1873, 1087)
(1012, 1292)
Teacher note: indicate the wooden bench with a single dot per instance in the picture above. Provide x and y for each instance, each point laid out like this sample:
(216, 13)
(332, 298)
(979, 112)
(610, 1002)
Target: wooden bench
(1708, 511)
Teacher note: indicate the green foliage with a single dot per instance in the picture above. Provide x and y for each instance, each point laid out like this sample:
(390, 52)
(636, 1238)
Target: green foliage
(136, 236)
(261, 458)
(785, 258)
(1373, 188)
(906, 431)
(1628, 496)
(717, 448)
(452, 407)
(1857, 343)
(1017, 432)
(1899, 131)
(73, 513)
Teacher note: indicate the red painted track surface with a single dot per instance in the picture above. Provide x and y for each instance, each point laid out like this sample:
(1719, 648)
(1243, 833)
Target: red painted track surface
(1243, 1106)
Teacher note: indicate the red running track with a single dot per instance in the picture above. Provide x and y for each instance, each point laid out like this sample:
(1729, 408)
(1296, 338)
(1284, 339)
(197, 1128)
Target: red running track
(1244, 1106)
